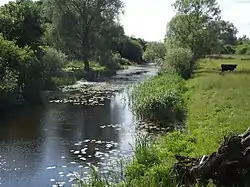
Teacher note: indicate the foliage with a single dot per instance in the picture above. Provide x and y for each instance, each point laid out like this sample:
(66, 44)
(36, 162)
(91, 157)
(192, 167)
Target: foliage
(121, 61)
(141, 41)
(80, 25)
(179, 60)
(8, 87)
(155, 51)
(243, 49)
(160, 100)
(243, 40)
(154, 159)
(228, 33)
(23, 63)
(131, 50)
(53, 59)
(228, 49)
(21, 21)
(195, 26)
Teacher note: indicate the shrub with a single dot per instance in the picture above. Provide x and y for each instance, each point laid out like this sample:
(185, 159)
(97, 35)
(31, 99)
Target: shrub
(179, 60)
(8, 87)
(242, 49)
(122, 61)
(154, 51)
(160, 100)
(22, 62)
(54, 59)
(228, 49)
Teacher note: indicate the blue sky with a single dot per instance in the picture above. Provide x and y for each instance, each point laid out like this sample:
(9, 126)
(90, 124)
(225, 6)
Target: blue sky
(148, 18)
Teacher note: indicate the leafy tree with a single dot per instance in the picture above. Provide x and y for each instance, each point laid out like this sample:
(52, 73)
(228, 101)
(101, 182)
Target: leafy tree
(21, 21)
(21, 67)
(141, 41)
(131, 50)
(195, 25)
(109, 43)
(178, 60)
(78, 24)
(228, 33)
(154, 51)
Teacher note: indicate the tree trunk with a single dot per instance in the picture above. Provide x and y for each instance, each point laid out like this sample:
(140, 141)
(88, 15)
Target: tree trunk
(86, 65)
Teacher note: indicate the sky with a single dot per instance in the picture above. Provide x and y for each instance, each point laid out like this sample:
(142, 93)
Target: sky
(147, 19)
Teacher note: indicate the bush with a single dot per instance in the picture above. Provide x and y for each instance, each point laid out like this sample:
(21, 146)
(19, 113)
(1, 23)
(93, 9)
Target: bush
(29, 72)
(53, 59)
(242, 49)
(160, 100)
(154, 51)
(179, 60)
(121, 61)
(228, 49)
(8, 88)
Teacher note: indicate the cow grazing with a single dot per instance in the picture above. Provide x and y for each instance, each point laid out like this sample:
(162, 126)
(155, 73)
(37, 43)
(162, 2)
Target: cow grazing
(228, 67)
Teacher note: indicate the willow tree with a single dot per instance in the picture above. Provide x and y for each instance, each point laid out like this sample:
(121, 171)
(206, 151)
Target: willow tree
(78, 24)
(195, 25)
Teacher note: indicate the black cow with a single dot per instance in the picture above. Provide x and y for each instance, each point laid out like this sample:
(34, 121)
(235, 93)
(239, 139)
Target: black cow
(228, 67)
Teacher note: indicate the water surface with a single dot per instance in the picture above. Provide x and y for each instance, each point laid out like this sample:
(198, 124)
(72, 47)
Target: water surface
(44, 145)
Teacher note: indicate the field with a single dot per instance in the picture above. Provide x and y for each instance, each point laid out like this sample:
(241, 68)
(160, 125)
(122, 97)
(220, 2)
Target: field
(218, 104)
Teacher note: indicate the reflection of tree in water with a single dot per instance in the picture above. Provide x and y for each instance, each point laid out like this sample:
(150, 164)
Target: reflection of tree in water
(25, 124)
(21, 146)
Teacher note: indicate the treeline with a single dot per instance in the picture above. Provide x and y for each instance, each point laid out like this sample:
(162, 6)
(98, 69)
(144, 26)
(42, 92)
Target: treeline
(44, 44)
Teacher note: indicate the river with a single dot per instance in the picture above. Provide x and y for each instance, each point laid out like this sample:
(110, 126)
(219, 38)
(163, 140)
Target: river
(42, 146)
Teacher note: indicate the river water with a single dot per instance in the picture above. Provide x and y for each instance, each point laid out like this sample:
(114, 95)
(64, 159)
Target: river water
(43, 146)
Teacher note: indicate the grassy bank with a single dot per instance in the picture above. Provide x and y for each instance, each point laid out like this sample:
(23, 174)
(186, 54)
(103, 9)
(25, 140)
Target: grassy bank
(217, 105)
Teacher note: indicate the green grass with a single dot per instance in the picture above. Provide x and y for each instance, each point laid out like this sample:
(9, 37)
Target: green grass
(218, 104)
(160, 100)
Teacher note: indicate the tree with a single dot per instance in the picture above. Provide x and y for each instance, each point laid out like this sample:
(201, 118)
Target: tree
(21, 21)
(141, 41)
(131, 50)
(78, 24)
(154, 51)
(228, 32)
(195, 25)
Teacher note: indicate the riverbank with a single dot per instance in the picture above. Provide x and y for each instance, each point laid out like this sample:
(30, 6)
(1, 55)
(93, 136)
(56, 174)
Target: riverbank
(217, 105)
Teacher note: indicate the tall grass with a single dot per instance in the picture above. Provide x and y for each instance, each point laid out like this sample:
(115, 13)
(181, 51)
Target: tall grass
(160, 100)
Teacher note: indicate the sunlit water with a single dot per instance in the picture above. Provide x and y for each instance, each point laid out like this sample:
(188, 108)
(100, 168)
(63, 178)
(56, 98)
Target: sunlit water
(44, 145)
